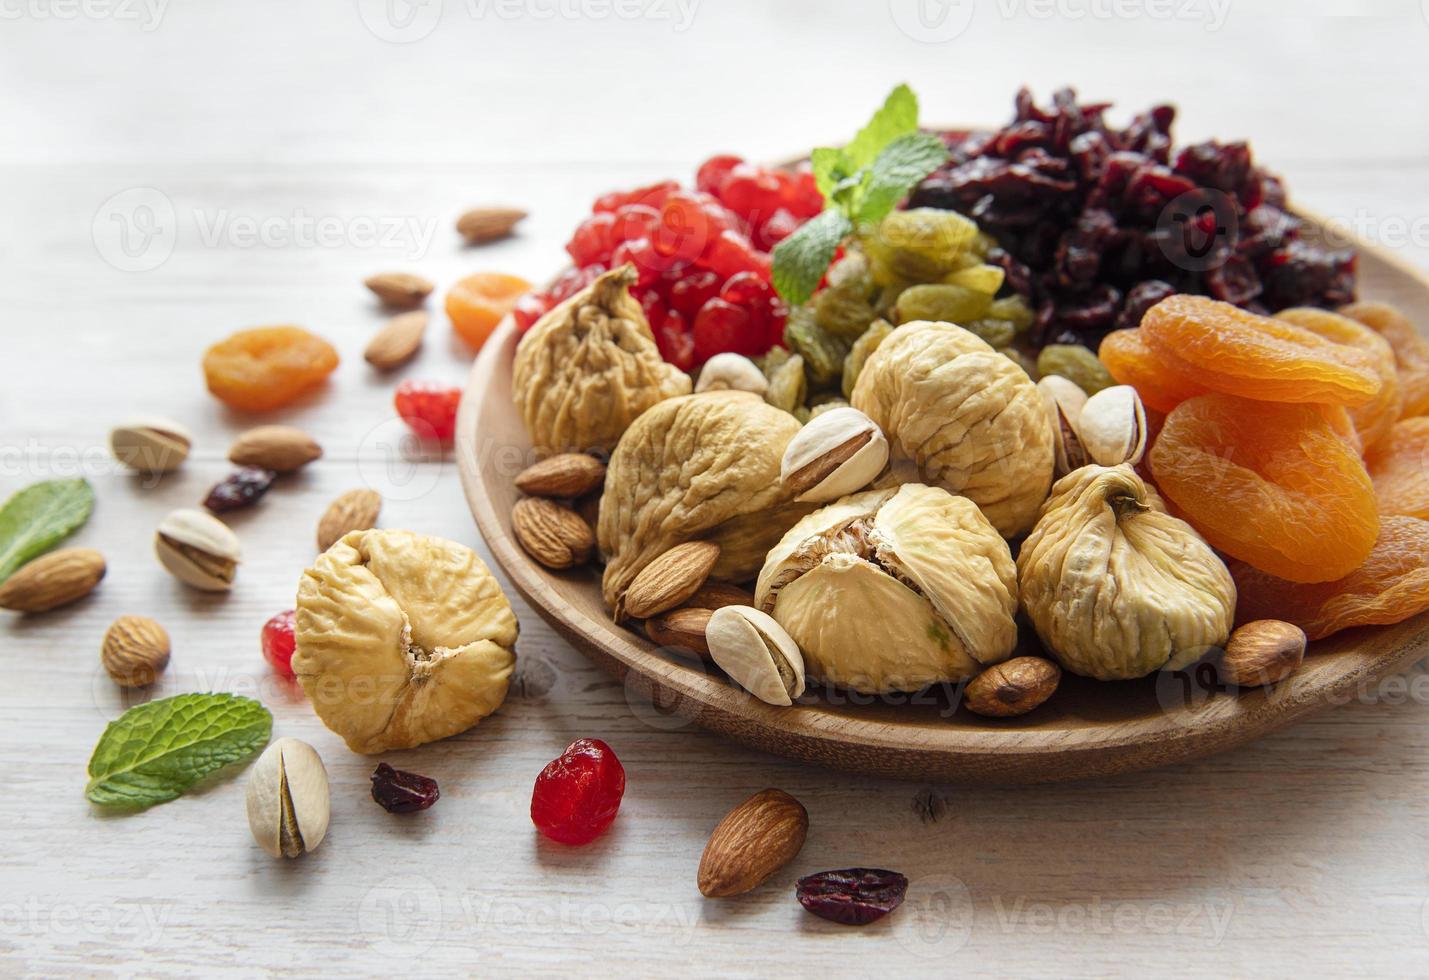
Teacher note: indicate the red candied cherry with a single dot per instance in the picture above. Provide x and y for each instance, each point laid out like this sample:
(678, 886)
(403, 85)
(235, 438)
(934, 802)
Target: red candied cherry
(572, 281)
(577, 795)
(279, 641)
(653, 304)
(713, 172)
(653, 195)
(593, 239)
(746, 289)
(685, 227)
(609, 202)
(529, 309)
(696, 289)
(428, 408)
(635, 221)
(781, 225)
(676, 344)
(721, 327)
(729, 254)
(751, 192)
(641, 254)
(800, 192)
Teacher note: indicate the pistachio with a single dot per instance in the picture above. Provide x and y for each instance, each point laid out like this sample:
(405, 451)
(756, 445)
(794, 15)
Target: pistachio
(150, 445)
(732, 371)
(1263, 652)
(837, 453)
(756, 653)
(288, 804)
(1064, 401)
(1112, 426)
(199, 550)
(135, 651)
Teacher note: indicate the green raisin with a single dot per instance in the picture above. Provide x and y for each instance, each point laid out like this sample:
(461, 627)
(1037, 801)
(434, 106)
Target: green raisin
(1075, 363)
(803, 414)
(772, 360)
(1015, 309)
(823, 353)
(922, 244)
(786, 385)
(997, 333)
(862, 348)
(843, 312)
(936, 301)
(979, 278)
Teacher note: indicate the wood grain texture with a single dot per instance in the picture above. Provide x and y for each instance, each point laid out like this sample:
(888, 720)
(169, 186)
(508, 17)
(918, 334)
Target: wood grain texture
(1301, 853)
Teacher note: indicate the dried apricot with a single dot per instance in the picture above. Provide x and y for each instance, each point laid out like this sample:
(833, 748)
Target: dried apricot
(1279, 486)
(267, 367)
(1411, 350)
(1376, 417)
(1391, 586)
(1227, 349)
(476, 304)
(1131, 362)
(1399, 467)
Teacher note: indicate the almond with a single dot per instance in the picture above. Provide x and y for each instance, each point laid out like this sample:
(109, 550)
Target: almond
(53, 580)
(355, 510)
(564, 476)
(135, 651)
(669, 580)
(716, 595)
(401, 290)
(681, 629)
(397, 342)
(1013, 687)
(555, 536)
(753, 841)
(488, 224)
(1262, 652)
(281, 448)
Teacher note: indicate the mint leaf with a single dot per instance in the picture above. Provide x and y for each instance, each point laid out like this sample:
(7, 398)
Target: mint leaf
(153, 753)
(898, 169)
(898, 116)
(800, 259)
(39, 517)
(830, 166)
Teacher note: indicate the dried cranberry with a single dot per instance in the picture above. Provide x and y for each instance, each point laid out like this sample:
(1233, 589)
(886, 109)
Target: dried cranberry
(429, 409)
(242, 488)
(577, 796)
(279, 640)
(853, 896)
(397, 791)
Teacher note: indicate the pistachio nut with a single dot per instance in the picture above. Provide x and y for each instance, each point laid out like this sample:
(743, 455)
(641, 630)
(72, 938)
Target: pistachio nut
(151, 444)
(837, 453)
(756, 653)
(732, 371)
(1065, 402)
(1112, 426)
(288, 805)
(199, 550)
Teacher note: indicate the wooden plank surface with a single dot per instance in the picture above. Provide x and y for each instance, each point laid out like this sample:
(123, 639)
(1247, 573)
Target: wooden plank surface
(1303, 852)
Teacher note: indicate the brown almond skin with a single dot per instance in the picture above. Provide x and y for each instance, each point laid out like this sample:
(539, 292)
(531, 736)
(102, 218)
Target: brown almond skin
(1013, 687)
(682, 629)
(753, 841)
(53, 580)
(481, 225)
(562, 477)
(356, 510)
(397, 342)
(555, 536)
(670, 579)
(135, 651)
(281, 448)
(1262, 652)
(400, 290)
(716, 595)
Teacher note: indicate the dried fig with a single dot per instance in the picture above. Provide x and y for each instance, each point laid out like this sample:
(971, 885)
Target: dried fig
(589, 367)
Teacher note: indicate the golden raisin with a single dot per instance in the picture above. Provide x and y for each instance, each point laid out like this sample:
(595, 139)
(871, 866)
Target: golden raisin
(267, 367)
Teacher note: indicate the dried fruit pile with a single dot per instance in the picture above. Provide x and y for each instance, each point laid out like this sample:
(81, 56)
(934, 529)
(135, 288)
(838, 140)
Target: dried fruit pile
(1096, 224)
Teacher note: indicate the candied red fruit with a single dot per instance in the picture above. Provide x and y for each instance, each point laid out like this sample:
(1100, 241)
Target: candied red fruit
(577, 795)
(279, 641)
(428, 408)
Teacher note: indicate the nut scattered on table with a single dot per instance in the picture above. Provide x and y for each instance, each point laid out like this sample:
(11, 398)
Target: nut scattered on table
(53, 580)
(757, 654)
(355, 510)
(681, 629)
(287, 800)
(151, 445)
(397, 342)
(280, 448)
(1013, 687)
(399, 290)
(554, 535)
(199, 550)
(135, 651)
(1263, 652)
(564, 476)
(480, 225)
(837, 453)
(669, 580)
(753, 841)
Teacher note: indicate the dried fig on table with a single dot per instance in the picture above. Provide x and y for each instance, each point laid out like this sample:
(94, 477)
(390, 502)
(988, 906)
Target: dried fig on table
(894, 590)
(402, 639)
(1116, 587)
(961, 416)
(702, 467)
(589, 367)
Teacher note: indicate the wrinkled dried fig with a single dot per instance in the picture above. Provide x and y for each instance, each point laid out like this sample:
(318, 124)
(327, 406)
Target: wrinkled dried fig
(589, 367)
(1116, 587)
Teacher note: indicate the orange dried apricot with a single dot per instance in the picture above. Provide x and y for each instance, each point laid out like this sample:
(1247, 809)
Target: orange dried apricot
(1376, 417)
(1132, 362)
(1279, 486)
(476, 304)
(1391, 586)
(1399, 467)
(1227, 349)
(267, 367)
(1411, 350)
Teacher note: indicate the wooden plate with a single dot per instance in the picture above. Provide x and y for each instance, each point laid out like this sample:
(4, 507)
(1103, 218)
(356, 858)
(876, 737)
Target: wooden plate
(1087, 729)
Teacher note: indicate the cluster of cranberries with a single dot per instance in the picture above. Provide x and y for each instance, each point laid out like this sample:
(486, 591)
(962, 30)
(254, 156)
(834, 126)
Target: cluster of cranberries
(702, 256)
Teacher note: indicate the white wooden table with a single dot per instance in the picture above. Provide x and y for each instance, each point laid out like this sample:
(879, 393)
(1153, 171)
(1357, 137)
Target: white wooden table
(293, 149)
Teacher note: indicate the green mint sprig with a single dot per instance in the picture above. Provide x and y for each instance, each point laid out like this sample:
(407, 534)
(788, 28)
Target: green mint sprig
(861, 183)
